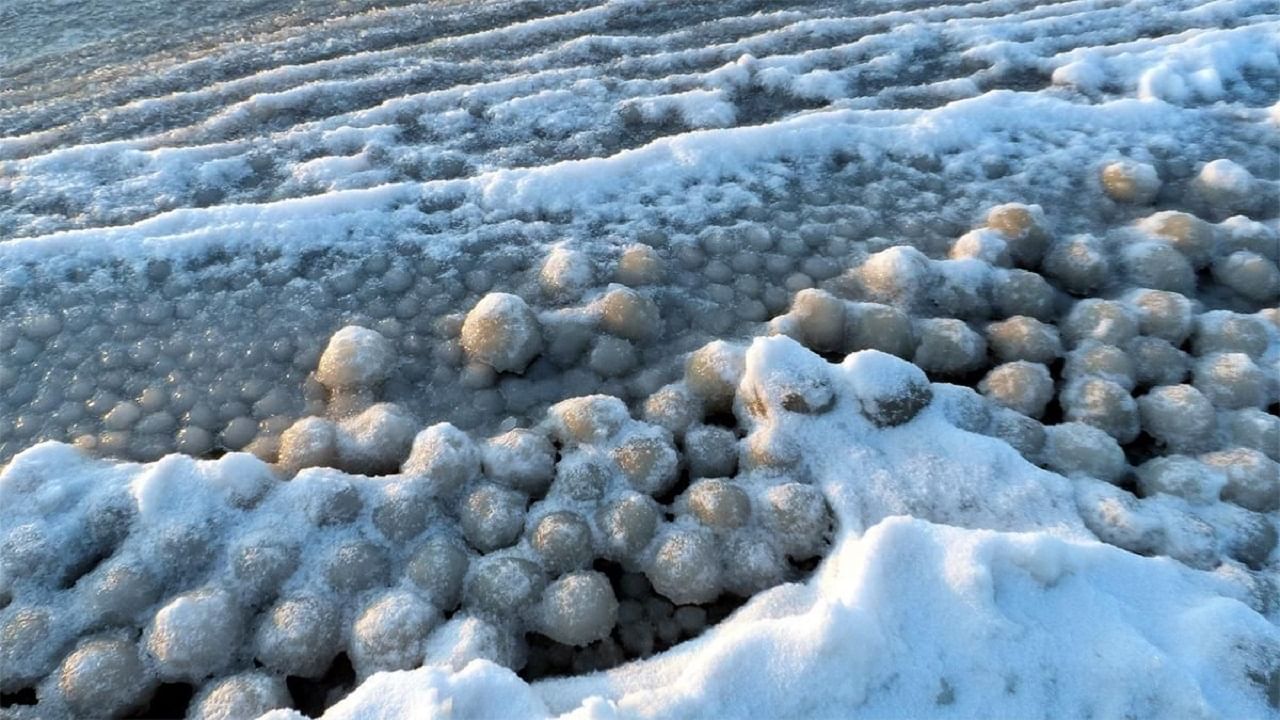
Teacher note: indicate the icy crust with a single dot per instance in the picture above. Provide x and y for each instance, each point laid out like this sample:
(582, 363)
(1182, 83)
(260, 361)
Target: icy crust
(194, 571)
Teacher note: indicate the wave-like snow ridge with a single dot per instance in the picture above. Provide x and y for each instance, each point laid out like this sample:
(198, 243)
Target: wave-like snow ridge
(403, 94)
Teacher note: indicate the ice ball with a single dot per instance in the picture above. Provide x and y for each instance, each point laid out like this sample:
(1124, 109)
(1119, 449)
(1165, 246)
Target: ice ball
(438, 567)
(820, 319)
(1158, 265)
(502, 332)
(355, 357)
(1078, 264)
(120, 591)
(1095, 359)
(1225, 331)
(578, 609)
(260, 563)
(246, 695)
(1227, 187)
(333, 501)
(1162, 314)
(1022, 433)
(1156, 362)
(1106, 321)
(1024, 229)
(639, 265)
(1024, 338)
(194, 635)
(1022, 386)
(239, 432)
(298, 636)
(712, 373)
(1180, 476)
(871, 326)
(1129, 181)
(686, 567)
(612, 357)
(674, 407)
(769, 448)
(309, 442)
(27, 551)
(357, 565)
(890, 391)
(581, 476)
(627, 314)
(1191, 236)
(983, 244)
(1178, 416)
(520, 459)
(1076, 448)
(403, 512)
(445, 455)
(1103, 404)
(949, 346)
(492, 517)
(1253, 479)
(1022, 292)
(29, 644)
(718, 503)
(710, 451)
(566, 273)
(1249, 274)
(648, 460)
(628, 524)
(104, 677)
(751, 563)
(376, 441)
(390, 632)
(503, 586)
(1254, 428)
(587, 420)
(562, 540)
(897, 276)
(1231, 381)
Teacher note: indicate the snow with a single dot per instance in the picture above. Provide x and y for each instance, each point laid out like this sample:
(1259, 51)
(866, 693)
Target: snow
(767, 233)
(662, 166)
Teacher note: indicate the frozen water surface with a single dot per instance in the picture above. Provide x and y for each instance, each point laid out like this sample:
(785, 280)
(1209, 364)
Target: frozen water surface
(636, 359)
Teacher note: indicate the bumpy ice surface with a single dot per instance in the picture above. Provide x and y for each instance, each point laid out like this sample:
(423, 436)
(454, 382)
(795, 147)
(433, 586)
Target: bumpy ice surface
(629, 359)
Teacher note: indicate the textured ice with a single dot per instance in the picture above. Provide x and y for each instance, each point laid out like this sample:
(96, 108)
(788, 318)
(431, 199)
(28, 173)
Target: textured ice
(450, 310)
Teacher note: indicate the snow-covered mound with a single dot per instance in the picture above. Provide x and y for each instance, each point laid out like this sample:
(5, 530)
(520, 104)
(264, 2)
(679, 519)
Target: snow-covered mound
(960, 577)
(636, 358)
(915, 619)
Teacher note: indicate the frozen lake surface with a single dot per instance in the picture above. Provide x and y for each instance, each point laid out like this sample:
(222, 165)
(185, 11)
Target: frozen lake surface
(933, 353)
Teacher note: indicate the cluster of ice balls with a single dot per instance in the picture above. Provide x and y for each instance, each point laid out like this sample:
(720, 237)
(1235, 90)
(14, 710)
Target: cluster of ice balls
(155, 371)
(1136, 362)
(426, 546)
(1147, 358)
(128, 381)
